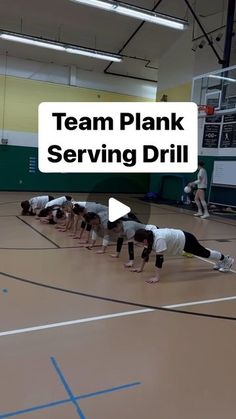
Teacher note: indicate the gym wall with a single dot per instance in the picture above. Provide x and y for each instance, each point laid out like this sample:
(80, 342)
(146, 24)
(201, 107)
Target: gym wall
(180, 93)
(19, 100)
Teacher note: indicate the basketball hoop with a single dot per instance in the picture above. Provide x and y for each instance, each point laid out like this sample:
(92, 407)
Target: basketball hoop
(208, 109)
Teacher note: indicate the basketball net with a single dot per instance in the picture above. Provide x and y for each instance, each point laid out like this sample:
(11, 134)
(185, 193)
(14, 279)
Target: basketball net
(208, 109)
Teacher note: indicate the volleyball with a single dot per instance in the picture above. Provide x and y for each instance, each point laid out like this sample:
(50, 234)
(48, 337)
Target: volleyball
(187, 189)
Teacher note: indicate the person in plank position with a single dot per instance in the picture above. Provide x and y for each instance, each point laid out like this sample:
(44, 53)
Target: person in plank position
(126, 230)
(173, 242)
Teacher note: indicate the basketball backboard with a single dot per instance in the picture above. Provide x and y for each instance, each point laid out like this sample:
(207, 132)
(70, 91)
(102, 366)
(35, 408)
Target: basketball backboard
(217, 88)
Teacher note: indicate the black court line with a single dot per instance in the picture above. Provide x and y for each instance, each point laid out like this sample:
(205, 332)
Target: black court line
(185, 213)
(84, 246)
(43, 235)
(55, 248)
(114, 300)
(208, 219)
(226, 239)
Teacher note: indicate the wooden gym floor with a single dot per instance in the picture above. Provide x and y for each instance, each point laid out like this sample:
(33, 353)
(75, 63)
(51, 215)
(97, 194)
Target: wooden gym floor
(82, 337)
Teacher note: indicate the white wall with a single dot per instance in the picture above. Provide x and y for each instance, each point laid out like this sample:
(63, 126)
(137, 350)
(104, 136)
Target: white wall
(53, 73)
(180, 63)
(177, 64)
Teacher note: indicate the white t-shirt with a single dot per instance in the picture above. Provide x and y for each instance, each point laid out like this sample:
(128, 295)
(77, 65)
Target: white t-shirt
(130, 227)
(151, 227)
(56, 201)
(92, 207)
(102, 212)
(80, 203)
(201, 181)
(38, 202)
(168, 240)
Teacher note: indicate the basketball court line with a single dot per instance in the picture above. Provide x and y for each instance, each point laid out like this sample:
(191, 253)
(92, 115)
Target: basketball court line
(210, 301)
(211, 262)
(182, 213)
(73, 322)
(68, 401)
(217, 240)
(73, 399)
(42, 235)
(120, 314)
(51, 241)
(67, 388)
(81, 246)
(145, 308)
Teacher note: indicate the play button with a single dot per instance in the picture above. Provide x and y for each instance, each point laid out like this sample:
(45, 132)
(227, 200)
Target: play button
(123, 192)
(116, 209)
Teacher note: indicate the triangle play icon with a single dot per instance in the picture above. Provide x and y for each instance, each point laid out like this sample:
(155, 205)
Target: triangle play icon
(116, 209)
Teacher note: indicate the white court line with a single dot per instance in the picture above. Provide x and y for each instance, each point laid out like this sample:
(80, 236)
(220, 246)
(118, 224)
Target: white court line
(211, 262)
(122, 314)
(71, 322)
(194, 303)
(110, 316)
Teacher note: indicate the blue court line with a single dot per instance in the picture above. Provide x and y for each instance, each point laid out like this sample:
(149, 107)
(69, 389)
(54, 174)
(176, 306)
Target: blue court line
(108, 390)
(33, 409)
(66, 401)
(67, 388)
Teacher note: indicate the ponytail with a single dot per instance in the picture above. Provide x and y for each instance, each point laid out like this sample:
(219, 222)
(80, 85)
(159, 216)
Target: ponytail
(90, 216)
(142, 235)
(45, 212)
(113, 224)
(150, 240)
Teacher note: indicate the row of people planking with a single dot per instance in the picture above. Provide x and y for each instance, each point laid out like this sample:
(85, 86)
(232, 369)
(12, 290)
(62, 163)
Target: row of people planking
(85, 220)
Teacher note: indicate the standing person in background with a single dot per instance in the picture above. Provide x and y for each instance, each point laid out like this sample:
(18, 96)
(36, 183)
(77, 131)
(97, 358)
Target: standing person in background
(201, 183)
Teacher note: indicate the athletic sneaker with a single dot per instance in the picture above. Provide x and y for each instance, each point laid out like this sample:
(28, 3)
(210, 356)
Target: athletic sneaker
(226, 264)
(198, 214)
(218, 265)
(205, 215)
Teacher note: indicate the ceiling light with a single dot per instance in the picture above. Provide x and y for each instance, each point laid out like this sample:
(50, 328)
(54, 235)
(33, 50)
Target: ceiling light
(149, 17)
(97, 3)
(16, 38)
(94, 54)
(72, 49)
(136, 12)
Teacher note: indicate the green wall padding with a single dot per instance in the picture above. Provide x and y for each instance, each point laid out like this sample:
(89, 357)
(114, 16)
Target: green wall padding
(156, 179)
(15, 175)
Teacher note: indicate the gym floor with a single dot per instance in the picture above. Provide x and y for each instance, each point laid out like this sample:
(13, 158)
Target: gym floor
(82, 337)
